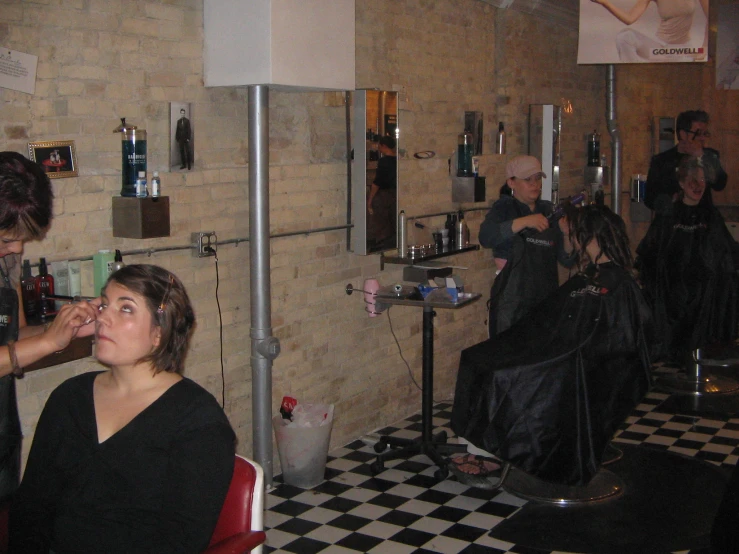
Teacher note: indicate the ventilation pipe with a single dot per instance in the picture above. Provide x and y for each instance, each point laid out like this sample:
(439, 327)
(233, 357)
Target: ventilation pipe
(264, 346)
(615, 139)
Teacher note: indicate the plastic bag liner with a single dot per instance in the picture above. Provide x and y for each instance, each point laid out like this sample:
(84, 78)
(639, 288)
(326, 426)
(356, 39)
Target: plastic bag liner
(303, 443)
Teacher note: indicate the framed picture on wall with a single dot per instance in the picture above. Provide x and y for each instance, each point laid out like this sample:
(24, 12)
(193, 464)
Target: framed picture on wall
(181, 144)
(58, 158)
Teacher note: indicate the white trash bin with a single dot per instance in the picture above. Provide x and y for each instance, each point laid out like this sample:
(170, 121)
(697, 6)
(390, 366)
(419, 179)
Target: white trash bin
(303, 443)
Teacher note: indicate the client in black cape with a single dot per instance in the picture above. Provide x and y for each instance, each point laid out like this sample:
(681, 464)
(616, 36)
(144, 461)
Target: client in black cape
(686, 264)
(548, 394)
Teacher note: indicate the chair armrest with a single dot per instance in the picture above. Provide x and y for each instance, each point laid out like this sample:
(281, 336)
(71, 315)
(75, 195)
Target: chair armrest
(238, 544)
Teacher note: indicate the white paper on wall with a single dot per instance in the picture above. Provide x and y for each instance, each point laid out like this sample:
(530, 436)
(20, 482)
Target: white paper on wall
(18, 70)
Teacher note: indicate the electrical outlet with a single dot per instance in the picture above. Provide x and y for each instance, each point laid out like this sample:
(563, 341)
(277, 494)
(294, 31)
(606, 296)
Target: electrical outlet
(204, 244)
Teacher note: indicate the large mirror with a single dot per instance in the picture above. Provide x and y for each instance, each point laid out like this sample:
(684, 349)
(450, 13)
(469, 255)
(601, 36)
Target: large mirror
(375, 171)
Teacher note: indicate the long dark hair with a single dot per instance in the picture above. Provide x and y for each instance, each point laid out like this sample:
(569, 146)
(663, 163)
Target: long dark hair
(608, 229)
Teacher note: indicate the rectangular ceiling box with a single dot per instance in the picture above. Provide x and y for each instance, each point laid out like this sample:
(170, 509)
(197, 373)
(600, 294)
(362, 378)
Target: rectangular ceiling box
(290, 44)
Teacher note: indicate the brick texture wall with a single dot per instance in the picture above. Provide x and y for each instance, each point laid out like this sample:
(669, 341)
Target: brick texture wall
(102, 60)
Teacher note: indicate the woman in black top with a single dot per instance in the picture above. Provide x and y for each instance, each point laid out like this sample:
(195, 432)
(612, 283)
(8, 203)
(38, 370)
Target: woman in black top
(136, 458)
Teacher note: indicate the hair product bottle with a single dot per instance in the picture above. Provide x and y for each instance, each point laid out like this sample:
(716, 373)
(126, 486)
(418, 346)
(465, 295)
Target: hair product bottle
(44, 288)
(102, 265)
(500, 139)
(402, 237)
(156, 185)
(30, 296)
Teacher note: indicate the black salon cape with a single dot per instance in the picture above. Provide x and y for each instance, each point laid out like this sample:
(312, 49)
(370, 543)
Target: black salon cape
(549, 393)
(687, 269)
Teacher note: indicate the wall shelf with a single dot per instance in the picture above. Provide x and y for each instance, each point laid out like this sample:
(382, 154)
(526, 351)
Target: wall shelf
(77, 349)
(436, 255)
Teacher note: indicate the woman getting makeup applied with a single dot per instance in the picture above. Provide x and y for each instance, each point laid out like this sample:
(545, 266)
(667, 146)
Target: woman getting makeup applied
(135, 458)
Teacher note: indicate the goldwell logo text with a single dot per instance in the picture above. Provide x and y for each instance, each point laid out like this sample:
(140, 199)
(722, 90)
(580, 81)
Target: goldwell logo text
(591, 290)
(676, 51)
(540, 242)
(689, 228)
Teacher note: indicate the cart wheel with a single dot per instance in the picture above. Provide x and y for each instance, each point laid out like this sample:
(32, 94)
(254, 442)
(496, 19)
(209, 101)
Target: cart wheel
(441, 474)
(377, 467)
(380, 446)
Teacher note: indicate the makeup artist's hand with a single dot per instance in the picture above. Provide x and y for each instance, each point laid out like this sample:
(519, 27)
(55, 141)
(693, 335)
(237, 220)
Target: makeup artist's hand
(73, 320)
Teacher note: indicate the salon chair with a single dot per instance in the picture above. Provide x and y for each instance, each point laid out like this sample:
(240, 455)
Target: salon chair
(240, 526)
(701, 373)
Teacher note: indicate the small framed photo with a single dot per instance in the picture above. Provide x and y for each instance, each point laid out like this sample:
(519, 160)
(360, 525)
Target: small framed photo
(58, 158)
(181, 137)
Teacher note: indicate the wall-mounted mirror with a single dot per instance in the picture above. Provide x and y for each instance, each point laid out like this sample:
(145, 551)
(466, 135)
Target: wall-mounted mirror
(375, 171)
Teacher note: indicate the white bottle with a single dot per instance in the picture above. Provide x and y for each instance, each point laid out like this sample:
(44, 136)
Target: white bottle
(500, 139)
(156, 185)
(141, 185)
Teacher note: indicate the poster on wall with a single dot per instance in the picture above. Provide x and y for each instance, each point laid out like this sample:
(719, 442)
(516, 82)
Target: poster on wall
(727, 48)
(643, 31)
(181, 143)
(18, 70)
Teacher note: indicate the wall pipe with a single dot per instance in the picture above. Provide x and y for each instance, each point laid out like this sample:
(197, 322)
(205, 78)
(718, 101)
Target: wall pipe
(264, 346)
(613, 130)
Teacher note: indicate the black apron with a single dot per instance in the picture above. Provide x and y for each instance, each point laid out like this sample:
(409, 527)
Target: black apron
(528, 277)
(10, 426)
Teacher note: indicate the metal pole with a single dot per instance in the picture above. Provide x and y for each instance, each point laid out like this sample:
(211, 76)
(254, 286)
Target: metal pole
(264, 347)
(615, 139)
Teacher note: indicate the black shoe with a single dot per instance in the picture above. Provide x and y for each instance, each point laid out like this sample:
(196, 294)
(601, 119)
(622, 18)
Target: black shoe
(182, 167)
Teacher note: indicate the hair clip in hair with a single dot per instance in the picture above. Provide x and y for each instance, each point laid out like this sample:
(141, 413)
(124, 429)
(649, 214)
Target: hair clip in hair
(165, 298)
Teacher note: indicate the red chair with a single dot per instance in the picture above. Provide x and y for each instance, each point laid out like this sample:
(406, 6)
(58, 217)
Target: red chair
(240, 526)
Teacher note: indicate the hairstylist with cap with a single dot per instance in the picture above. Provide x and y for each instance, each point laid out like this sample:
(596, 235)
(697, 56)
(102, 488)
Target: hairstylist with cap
(525, 247)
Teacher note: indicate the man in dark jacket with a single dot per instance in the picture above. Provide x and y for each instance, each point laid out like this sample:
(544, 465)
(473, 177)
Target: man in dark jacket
(183, 136)
(692, 133)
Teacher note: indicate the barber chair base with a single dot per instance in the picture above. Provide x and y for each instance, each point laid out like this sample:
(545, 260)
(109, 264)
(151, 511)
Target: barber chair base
(407, 448)
(605, 485)
(696, 382)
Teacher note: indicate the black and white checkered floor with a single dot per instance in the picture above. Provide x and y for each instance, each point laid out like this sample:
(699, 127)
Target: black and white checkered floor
(404, 510)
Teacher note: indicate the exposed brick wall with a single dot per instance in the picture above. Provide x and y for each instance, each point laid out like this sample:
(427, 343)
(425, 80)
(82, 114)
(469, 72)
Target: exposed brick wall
(102, 60)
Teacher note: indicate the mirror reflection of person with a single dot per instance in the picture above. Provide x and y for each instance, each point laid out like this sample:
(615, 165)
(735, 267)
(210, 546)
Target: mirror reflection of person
(676, 19)
(382, 197)
(686, 263)
(692, 133)
(183, 136)
(135, 458)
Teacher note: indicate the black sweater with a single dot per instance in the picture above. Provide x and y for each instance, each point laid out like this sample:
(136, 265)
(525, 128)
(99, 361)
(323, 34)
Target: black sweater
(156, 486)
